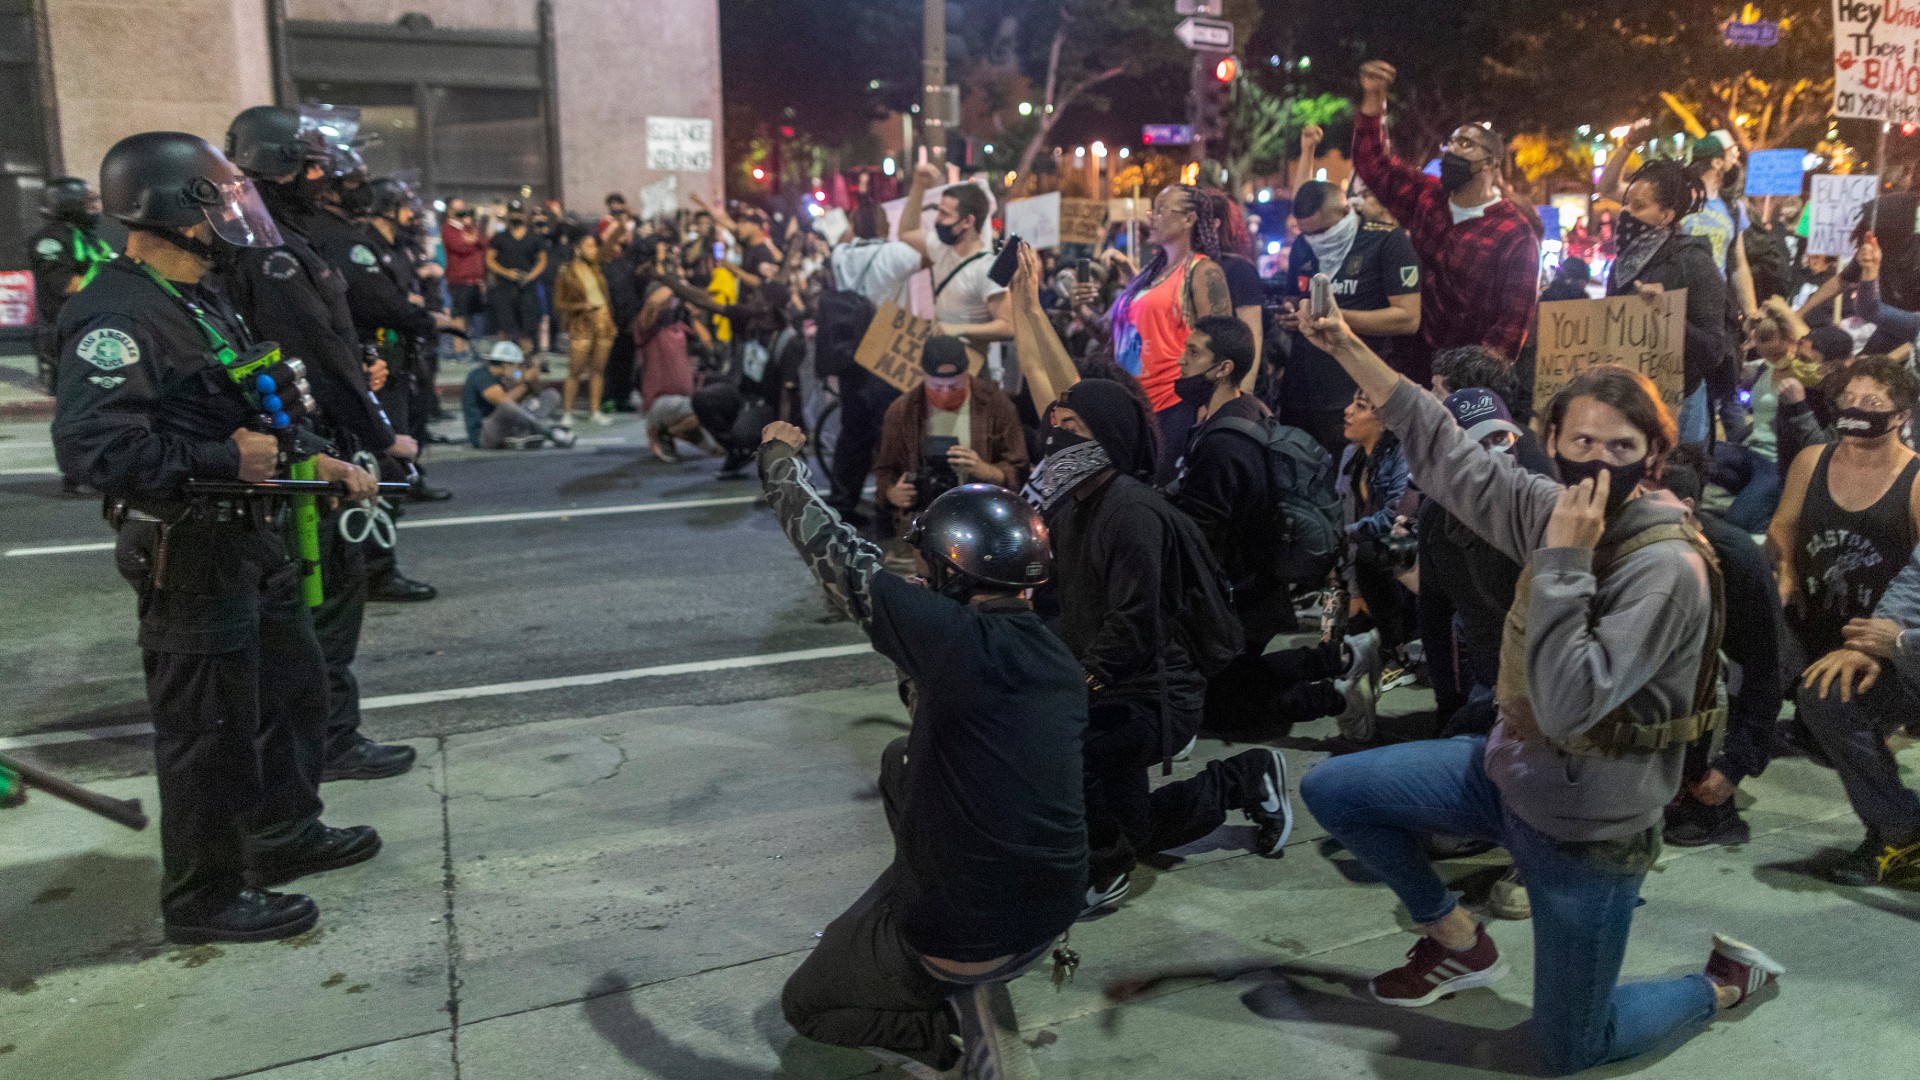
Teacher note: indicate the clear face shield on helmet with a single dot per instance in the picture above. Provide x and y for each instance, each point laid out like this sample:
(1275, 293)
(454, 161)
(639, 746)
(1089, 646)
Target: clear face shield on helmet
(236, 213)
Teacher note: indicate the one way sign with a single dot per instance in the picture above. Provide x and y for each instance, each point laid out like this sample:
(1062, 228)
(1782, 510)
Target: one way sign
(1205, 35)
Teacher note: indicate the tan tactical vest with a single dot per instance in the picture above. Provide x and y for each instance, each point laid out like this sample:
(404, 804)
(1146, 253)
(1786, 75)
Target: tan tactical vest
(1617, 734)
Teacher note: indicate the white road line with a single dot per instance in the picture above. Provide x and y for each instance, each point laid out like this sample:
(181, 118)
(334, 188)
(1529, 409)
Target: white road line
(472, 519)
(58, 549)
(464, 693)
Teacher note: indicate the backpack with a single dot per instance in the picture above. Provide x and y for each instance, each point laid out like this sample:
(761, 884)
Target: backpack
(1205, 624)
(1305, 511)
(840, 322)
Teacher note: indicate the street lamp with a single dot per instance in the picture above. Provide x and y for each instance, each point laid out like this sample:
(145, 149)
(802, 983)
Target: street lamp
(1125, 153)
(887, 167)
(1026, 108)
(1099, 149)
(1079, 151)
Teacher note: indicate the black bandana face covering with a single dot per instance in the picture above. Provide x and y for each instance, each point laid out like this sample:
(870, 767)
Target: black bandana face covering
(1070, 459)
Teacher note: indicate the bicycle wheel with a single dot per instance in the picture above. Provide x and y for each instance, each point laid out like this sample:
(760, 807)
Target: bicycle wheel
(825, 435)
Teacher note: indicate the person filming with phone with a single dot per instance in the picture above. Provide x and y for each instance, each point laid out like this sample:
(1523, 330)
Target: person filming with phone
(952, 429)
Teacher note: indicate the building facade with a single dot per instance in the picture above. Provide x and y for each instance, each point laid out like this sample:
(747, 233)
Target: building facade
(483, 98)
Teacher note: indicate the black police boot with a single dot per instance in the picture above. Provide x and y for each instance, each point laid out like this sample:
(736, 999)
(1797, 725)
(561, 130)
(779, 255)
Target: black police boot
(423, 493)
(252, 915)
(330, 850)
(368, 760)
(400, 588)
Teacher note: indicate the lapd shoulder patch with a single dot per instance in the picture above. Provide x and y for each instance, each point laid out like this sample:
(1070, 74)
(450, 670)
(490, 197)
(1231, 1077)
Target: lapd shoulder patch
(280, 265)
(362, 255)
(108, 350)
(1410, 276)
(49, 248)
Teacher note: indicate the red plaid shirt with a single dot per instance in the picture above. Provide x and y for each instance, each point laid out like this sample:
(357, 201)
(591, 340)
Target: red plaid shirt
(1482, 276)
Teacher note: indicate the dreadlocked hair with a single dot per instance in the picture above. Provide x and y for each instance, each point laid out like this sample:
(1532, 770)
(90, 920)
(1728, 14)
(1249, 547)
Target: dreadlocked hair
(1675, 186)
(1209, 230)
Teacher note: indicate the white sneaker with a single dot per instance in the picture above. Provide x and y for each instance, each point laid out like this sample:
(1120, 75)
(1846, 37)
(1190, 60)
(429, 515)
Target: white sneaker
(1187, 750)
(1508, 898)
(565, 421)
(1359, 686)
(563, 437)
(601, 419)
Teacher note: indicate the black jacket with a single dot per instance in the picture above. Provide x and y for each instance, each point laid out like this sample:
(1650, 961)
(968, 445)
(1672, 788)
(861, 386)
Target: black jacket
(1460, 568)
(142, 406)
(1112, 543)
(292, 296)
(373, 297)
(1686, 262)
(1223, 488)
(1752, 640)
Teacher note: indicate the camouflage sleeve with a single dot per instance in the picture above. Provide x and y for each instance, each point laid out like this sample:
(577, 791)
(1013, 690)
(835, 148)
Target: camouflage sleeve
(845, 564)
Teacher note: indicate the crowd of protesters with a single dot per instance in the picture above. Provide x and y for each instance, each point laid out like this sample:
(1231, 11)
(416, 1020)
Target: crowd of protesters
(1258, 515)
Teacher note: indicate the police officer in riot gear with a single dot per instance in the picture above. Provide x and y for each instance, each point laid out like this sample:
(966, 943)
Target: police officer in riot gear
(393, 224)
(62, 254)
(235, 681)
(290, 295)
(382, 316)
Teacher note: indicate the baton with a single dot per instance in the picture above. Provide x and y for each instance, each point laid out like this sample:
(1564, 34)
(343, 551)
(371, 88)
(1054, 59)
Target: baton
(282, 487)
(119, 811)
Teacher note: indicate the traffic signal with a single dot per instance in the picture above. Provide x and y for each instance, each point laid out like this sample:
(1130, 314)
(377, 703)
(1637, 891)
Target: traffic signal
(1211, 91)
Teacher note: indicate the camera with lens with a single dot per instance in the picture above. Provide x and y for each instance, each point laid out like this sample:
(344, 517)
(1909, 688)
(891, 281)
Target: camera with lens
(1389, 554)
(937, 475)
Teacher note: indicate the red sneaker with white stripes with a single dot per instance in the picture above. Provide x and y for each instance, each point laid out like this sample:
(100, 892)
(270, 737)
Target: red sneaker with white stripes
(1739, 965)
(1433, 971)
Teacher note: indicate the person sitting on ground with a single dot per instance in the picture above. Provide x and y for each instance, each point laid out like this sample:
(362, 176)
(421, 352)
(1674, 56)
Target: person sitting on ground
(1850, 699)
(1704, 813)
(969, 420)
(1592, 666)
(1126, 560)
(582, 300)
(989, 830)
(1806, 410)
(504, 406)
(1749, 469)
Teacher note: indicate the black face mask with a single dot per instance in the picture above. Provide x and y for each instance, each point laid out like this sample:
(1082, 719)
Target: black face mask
(1196, 389)
(294, 197)
(1862, 424)
(1058, 439)
(356, 200)
(1624, 478)
(948, 234)
(1456, 172)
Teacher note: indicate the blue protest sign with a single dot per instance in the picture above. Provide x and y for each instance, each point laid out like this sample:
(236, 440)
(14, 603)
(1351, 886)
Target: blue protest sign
(1775, 172)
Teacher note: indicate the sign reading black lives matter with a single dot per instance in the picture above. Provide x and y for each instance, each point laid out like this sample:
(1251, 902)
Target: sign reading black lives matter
(1647, 337)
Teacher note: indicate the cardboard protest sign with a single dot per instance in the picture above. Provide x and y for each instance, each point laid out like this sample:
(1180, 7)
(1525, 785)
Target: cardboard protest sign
(1083, 221)
(892, 347)
(1876, 60)
(1036, 220)
(1835, 210)
(1648, 337)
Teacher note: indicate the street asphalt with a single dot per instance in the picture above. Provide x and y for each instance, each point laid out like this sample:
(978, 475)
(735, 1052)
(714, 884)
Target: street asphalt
(610, 872)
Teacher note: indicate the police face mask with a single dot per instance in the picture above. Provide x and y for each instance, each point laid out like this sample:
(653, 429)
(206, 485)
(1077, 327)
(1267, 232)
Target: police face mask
(1456, 172)
(1863, 424)
(1624, 478)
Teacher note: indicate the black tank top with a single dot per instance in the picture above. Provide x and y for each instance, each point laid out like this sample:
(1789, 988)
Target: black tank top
(1847, 558)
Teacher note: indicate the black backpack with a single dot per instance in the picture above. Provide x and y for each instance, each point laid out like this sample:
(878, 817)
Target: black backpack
(840, 322)
(1305, 510)
(1205, 626)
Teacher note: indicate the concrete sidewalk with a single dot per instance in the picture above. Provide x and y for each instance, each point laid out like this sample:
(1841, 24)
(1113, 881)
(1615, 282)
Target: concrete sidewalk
(623, 895)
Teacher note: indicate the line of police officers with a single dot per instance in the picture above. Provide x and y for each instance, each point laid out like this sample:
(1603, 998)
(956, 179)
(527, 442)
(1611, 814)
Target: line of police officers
(252, 693)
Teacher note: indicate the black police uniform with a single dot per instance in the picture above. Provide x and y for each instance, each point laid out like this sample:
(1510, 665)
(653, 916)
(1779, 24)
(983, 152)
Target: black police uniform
(403, 396)
(235, 679)
(58, 253)
(375, 303)
(291, 296)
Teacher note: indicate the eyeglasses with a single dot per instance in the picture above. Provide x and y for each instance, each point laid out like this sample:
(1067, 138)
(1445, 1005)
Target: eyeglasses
(1869, 402)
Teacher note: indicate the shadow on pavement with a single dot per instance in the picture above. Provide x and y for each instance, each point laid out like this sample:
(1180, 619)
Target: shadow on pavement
(87, 909)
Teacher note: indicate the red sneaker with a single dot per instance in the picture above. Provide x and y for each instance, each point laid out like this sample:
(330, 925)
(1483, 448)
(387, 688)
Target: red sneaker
(1433, 971)
(1741, 966)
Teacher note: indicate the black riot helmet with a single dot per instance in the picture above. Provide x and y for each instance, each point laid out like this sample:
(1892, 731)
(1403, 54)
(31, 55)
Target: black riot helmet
(981, 538)
(170, 181)
(69, 199)
(390, 196)
(267, 141)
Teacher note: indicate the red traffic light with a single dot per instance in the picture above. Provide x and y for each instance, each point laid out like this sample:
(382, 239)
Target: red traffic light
(786, 131)
(759, 173)
(1226, 69)
(1909, 128)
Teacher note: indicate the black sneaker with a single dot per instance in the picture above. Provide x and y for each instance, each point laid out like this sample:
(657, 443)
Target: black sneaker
(1691, 824)
(331, 850)
(1101, 897)
(252, 915)
(1875, 862)
(991, 1036)
(1274, 812)
(368, 760)
(401, 589)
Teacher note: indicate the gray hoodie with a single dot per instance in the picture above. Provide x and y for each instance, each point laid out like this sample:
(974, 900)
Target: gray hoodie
(1901, 604)
(1636, 645)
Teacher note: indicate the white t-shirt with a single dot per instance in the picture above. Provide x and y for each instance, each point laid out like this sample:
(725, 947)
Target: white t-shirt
(964, 300)
(880, 270)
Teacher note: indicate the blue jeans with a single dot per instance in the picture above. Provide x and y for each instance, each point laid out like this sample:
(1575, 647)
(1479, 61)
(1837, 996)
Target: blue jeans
(1382, 804)
(1755, 482)
(1696, 419)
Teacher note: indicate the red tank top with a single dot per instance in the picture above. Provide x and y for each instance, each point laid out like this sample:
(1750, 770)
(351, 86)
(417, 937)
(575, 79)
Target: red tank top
(1158, 313)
